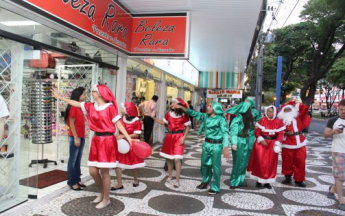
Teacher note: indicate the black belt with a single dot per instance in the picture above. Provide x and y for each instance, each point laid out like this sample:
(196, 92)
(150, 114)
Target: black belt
(269, 137)
(104, 134)
(294, 134)
(212, 141)
(175, 132)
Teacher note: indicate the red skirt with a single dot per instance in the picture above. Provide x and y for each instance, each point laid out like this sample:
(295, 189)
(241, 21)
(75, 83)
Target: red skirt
(171, 148)
(130, 160)
(103, 152)
(263, 162)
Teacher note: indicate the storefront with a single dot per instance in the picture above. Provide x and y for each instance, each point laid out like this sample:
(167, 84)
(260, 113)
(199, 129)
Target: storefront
(33, 59)
(143, 81)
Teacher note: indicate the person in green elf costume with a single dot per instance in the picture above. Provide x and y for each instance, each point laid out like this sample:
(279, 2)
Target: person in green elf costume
(257, 116)
(216, 142)
(240, 140)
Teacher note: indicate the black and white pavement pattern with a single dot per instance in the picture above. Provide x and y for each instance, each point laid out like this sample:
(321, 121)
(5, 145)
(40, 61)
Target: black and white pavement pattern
(156, 197)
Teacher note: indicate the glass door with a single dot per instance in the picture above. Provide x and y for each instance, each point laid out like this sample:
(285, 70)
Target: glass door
(13, 159)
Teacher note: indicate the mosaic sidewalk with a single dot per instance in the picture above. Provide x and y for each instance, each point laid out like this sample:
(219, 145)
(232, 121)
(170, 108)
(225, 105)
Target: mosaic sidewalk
(156, 197)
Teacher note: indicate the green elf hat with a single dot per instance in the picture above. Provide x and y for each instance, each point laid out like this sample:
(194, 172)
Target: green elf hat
(217, 107)
(251, 101)
(240, 108)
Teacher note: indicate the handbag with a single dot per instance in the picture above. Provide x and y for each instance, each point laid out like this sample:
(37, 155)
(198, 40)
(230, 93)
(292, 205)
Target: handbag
(97, 56)
(45, 61)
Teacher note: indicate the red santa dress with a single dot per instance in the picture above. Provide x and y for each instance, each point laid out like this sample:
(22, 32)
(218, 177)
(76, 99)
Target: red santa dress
(172, 149)
(101, 120)
(293, 148)
(131, 160)
(263, 160)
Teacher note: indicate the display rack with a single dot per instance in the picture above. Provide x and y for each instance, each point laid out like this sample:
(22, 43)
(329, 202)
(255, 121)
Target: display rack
(41, 104)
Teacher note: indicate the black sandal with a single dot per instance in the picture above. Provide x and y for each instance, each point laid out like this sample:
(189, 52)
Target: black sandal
(82, 185)
(75, 189)
(136, 185)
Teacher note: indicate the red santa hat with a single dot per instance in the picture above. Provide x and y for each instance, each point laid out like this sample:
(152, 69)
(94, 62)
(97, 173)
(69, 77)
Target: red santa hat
(105, 93)
(130, 109)
(294, 111)
(275, 111)
(180, 101)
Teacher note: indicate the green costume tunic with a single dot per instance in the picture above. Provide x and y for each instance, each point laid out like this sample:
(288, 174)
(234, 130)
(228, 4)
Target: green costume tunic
(201, 129)
(257, 116)
(241, 156)
(216, 128)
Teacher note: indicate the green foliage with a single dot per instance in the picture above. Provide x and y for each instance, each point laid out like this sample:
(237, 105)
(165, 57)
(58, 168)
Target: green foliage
(336, 75)
(309, 49)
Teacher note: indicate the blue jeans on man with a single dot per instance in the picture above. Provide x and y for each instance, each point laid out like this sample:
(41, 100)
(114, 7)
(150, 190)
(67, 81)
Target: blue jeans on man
(73, 167)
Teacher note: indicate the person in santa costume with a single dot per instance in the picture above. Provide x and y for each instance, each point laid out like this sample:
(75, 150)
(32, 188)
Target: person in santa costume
(295, 117)
(173, 145)
(130, 160)
(102, 117)
(240, 139)
(216, 142)
(263, 161)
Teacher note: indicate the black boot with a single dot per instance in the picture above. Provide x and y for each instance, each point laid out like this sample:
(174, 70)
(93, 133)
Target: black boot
(268, 186)
(165, 167)
(202, 186)
(258, 184)
(300, 184)
(287, 180)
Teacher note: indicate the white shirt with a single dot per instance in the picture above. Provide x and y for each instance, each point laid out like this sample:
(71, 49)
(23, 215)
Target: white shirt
(3, 108)
(338, 142)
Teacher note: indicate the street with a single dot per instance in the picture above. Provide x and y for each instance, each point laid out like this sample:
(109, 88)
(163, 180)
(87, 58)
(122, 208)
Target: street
(318, 125)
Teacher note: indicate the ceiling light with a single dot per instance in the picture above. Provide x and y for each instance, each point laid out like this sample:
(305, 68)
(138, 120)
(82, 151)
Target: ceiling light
(19, 23)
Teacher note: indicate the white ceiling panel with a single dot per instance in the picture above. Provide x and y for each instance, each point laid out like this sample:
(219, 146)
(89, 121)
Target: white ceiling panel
(221, 30)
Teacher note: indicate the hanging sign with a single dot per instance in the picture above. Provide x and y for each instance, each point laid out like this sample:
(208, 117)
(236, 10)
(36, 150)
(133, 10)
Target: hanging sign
(109, 22)
(226, 93)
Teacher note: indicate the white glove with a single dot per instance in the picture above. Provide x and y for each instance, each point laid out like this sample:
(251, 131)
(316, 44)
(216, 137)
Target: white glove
(277, 149)
(234, 147)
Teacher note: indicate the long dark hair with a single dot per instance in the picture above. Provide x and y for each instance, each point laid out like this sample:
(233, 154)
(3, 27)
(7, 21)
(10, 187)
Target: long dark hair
(178, 112)
(76, 93)
(248, 121)
(129, 118)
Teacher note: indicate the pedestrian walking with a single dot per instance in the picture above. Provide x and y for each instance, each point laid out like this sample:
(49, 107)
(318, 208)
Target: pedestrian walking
(335, 130)
(149, 110)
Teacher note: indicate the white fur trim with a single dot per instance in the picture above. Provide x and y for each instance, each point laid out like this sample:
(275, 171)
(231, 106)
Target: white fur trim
(262, 181)
(171, 157)
(260, 139)
(135, 166)
(137, 132)
(102, 164)
(295, 128)
(82, 106)
(165, 121)
(297, 107)
(300, 145)
(94, 88)
(102, 107)
(274, 111)
(277, 143)
(173, 115)
(130, 122)
(187, 123)
(116, 118)
(271, 131)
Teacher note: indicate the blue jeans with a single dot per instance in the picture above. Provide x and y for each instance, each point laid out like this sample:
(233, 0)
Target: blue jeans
(73, 167)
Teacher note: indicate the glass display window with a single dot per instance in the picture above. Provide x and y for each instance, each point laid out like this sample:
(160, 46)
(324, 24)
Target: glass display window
(145, 88)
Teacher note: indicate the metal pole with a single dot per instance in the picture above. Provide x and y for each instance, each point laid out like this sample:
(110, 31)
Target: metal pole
(279, 80)
(258, 93)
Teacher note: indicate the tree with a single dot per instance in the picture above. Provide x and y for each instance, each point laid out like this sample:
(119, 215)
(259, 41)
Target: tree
(325, 21)
(292, 43)
(336, 75)
(331, 92)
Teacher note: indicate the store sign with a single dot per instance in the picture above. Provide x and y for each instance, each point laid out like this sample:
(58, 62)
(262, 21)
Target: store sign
(181, 69)
(109, 22)
(226, 93)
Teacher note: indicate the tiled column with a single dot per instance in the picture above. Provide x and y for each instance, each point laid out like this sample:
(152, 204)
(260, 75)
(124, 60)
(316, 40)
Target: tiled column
(158, 130)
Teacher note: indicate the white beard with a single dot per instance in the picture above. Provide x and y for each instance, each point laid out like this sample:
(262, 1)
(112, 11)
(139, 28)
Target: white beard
(288, 117)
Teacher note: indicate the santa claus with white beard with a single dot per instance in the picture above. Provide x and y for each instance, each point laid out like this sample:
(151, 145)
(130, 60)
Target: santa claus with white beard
(295, 118)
